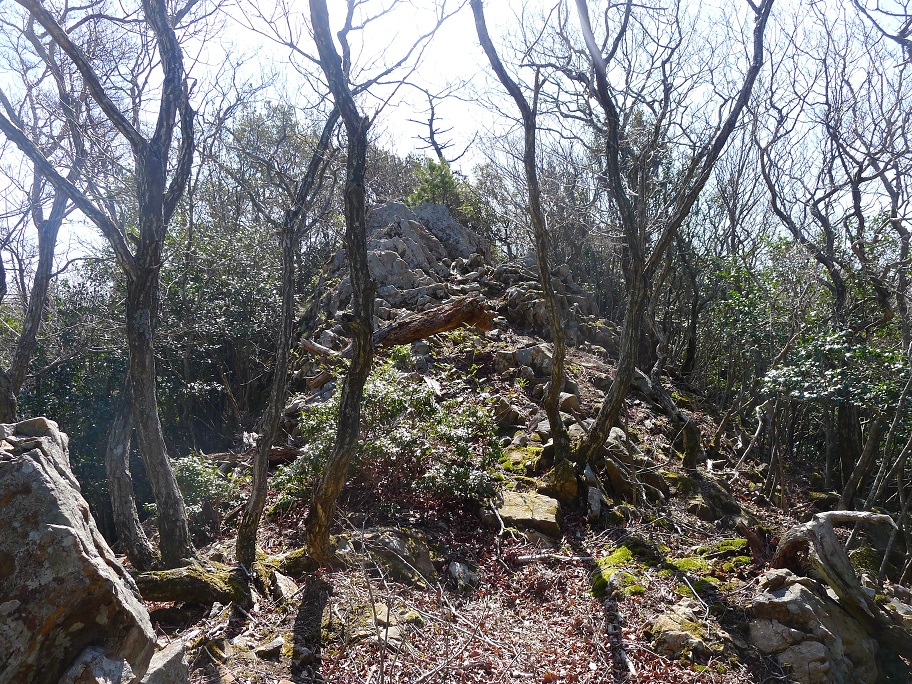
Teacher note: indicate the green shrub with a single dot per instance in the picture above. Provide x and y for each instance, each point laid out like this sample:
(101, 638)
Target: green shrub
(200, 483)
(409, 442)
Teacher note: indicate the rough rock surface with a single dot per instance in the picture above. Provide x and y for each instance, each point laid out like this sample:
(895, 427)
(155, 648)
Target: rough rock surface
(403, 553)
(679, 632)
(421, 257)
(526, 510)
(68, 610)
(809, 633)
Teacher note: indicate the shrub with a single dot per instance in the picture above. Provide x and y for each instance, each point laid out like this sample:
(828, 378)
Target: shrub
(410, 443)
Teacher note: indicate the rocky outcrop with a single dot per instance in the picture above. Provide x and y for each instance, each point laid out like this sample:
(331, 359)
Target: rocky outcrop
(68, 611)
(420, 257)
(810, 633)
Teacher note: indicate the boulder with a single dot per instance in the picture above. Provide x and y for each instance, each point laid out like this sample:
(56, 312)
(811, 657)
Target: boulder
(679, 633)
(526, 510)
(402, 552)
(810, 633)
(68, 610)
(169, 666)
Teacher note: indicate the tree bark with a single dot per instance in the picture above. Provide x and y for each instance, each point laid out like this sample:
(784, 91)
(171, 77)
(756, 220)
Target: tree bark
(130, 534)
(863, 467)
(142, 306)
(253, 512)
(348, 428)
(627, 359)
(540, 232)
(157, 199)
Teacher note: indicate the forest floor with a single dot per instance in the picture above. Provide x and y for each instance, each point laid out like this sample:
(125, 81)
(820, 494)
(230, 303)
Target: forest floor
(530, 612)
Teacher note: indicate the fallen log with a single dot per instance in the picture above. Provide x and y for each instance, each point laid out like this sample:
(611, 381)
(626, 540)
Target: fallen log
(214, 582)
(814, 546)
(278, 455)
(194, 584)
(469, 310)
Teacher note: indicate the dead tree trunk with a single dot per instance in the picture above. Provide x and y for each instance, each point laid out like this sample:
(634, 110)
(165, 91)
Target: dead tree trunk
(468, 310)
(814, 544)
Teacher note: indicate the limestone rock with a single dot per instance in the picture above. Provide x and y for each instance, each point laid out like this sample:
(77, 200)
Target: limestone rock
(94, 667)
(679, 633)
(169, 666)
(404, 553)
(65, 601)
(810, 633)
(526, 510)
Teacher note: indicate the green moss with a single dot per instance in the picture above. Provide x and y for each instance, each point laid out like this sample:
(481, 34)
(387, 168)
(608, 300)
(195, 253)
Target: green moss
(634, 552)
(726, 547)
(735, 563)
(517, 459)
(866, 558)
(691, 564)
(628, 584)
(703, 587)
(681, 484)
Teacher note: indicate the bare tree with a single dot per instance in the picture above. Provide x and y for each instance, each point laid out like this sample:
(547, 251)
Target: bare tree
(337, 68)
(528, 114)
(297, 218)
(650, 206)
(160, 174)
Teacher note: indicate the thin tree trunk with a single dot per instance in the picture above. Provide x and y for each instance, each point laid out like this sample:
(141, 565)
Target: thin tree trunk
(8, 403)
(348, 428)
(539, 230)
(253, 512)
(130, 534)
(863, 467)
(291, 227)
(623, 376)
(142, 305)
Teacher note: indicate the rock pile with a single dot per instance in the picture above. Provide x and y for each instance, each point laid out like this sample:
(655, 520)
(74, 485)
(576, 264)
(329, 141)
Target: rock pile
(421, 257)
(68, 611)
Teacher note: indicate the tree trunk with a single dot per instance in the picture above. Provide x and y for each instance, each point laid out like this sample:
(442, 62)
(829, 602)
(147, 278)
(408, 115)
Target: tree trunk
(253, 512)
(539, 231)
(627, 360)
(8, 404)
(142, 308)
(130, 534)
(348, 428)
(863, 467)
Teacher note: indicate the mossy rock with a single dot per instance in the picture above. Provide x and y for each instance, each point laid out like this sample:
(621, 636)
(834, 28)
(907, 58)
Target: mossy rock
(632, 553)
(195, 584)
(690, 564)
(522, 459)
(724, 549)
(681, 485)
(626, 583)
(866, 558)
(735, 563)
